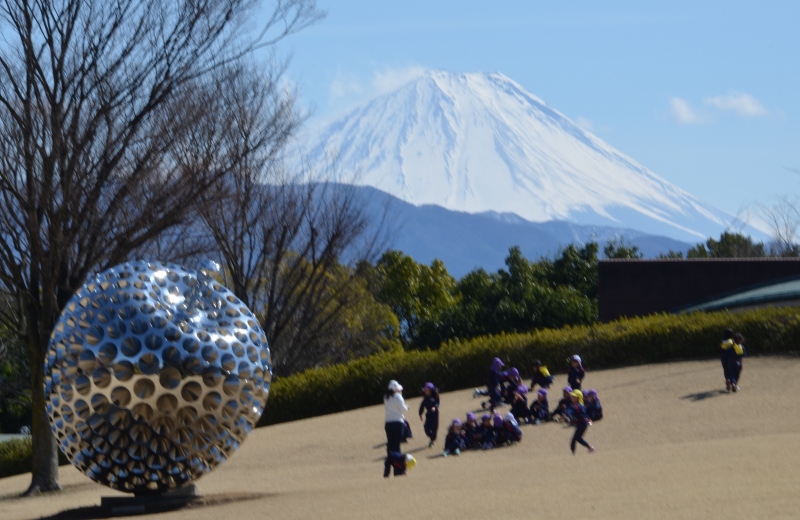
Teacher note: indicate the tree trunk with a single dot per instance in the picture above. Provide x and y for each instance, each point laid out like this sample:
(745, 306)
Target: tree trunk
(44, 463)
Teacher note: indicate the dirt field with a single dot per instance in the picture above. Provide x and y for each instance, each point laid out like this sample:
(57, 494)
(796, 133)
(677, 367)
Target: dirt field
(671, 446)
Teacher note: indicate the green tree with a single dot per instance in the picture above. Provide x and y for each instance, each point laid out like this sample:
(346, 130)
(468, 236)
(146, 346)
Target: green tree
(615, 249)
(729, 245)
(419, 295)
(346, 323)
(522, 297)
(577, 268)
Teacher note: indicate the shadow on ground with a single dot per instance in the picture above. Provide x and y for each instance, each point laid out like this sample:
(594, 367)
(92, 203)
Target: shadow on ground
(93, 512)
(701, 396)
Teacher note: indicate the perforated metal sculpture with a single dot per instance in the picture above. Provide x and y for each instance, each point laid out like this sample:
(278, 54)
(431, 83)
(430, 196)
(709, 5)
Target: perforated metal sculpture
(155, 374)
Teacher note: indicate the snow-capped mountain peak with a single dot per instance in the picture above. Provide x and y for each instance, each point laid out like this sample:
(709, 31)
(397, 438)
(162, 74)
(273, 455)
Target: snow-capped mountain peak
(479, 142)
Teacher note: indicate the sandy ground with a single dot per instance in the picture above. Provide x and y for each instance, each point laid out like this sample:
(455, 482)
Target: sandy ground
(671, 446)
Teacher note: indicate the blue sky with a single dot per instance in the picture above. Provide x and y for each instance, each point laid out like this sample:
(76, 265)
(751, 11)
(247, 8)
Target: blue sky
(704, 93)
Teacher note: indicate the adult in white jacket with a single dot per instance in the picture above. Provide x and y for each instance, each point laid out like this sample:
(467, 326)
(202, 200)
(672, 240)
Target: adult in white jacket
(395, 407)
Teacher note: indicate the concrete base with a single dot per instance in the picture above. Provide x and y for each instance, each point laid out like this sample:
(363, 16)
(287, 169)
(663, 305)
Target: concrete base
(146, 504)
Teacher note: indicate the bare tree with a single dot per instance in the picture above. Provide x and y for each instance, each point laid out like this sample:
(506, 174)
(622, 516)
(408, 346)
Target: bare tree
(783, 218)
(99, 103)
(289, 244)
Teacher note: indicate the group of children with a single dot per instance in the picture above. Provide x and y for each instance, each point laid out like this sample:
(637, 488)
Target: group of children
(731, 354)
(505, 388)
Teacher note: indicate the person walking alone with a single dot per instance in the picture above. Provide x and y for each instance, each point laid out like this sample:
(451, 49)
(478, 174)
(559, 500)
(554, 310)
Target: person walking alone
(394, 407)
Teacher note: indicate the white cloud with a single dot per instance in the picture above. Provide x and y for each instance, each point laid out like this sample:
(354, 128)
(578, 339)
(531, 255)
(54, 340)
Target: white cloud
(348, 89)
(343, 86)
(683, 112)
(390, 78)
(741, 103)
(585, 124)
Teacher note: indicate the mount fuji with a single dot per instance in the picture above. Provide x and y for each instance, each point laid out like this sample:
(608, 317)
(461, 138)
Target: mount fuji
(480, 143)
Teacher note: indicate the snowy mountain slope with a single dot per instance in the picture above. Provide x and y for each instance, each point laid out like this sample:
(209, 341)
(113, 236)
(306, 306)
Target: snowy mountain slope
(481, 143)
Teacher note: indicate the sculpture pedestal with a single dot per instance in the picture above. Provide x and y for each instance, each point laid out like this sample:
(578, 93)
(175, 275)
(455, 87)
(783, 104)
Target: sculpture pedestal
(146, 503)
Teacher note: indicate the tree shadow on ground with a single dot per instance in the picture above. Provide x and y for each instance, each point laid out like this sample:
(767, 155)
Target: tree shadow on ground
(702, 396)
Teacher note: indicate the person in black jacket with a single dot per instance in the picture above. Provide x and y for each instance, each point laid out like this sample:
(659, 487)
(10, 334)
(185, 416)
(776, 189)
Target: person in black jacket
(494, 385)
(582, 421)
(454, 442)
(519, 404)
(540, 408)
(430, 405)
(561, 411)
(471, 429)
(725, 357)
(576, 373)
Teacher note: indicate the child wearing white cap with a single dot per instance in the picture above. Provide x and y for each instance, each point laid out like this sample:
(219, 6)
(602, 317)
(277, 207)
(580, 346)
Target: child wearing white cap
(575, 373)
(394, 407)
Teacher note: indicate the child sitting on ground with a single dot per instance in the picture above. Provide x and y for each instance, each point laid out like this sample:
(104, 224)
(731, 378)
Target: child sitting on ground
(487, 432)
(592, 404)
(509, 432)
(540, 409)
(519, 406)
(471, 429)
(560, 414)
(576, 373)
(454, 441)
(541, 376)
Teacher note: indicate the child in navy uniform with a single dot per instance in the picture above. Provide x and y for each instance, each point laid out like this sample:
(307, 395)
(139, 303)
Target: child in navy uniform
(735, 367)
(592, 404)
(430, 404)
(513, 381)
(487, 432)
(582, 421)
(725, 357)
(562, 408)
(576, 373)
(472, 439)
(510, 432)
(540, 409)
(494, 385)
(519, 406)
(541, 376)
(454, 441)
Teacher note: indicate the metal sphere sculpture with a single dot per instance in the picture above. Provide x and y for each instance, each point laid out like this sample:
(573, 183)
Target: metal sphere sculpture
(154, 376)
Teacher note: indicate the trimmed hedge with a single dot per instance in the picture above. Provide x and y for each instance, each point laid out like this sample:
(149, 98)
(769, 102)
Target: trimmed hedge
(16, 454)
(461, 364)
(15, 457)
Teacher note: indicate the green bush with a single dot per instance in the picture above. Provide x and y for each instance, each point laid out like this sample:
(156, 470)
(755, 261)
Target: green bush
(15, 456)
(461, 364)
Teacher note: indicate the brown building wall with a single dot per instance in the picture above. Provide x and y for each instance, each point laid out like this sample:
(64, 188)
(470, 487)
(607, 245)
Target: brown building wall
(641, 287)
